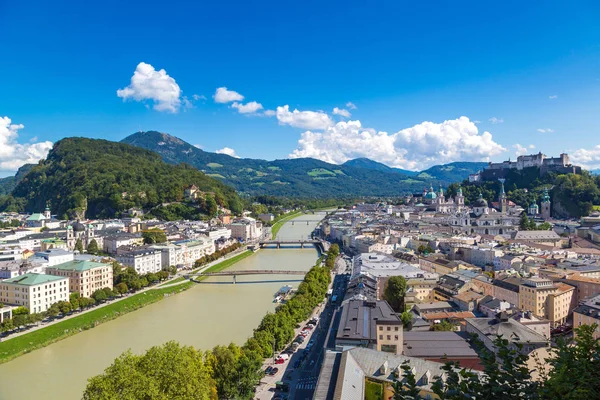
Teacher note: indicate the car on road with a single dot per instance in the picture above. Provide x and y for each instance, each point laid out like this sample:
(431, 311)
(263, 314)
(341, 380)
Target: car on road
(312, 341)
(268, 370)
(274, 371)
(300, 339)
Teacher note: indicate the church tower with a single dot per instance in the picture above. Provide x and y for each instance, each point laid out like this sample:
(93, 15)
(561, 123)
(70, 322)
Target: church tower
(546, 205)
(460, 199)
(47, 213)
(502, 198)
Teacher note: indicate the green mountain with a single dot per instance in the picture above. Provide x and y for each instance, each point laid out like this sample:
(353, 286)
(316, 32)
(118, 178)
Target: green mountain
(453, 172)
(367, 163)
(8, 184)
(102, 178)
(301, 177)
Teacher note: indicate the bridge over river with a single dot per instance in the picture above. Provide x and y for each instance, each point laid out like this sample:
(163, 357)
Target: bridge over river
(235, 274)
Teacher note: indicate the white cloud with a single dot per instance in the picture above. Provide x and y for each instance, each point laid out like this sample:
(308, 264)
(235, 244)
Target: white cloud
(222, 95)
(342, 112)
(269, 113)
(520, 150)
(531, 146)
(554, 96)
(227, 150)
(247, 108)
(13, 154)
(150, 84)
(199, 146)
(303, 119)
(495, 120)
(546, 130)
(476, 121)
(198, 97)
(587, 158)
(418, 147)
(351, 105)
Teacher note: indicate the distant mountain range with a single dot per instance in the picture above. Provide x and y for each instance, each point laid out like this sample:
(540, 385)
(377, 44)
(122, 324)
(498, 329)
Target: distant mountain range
(302, 177)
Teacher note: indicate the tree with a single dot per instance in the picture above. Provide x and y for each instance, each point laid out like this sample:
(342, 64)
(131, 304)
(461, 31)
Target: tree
(20, 311)
(109, 292)
(394, 292)
(99, 296)
(53, 310)
(545, 226)
(64, 307)
(444, 326)
(92, 247)
(79, 246)
(121, 288)
(155, 235)
(170, 371)
(574, 371)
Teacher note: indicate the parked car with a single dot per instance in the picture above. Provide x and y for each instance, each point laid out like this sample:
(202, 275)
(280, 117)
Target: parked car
(268, 370)
(274, 371)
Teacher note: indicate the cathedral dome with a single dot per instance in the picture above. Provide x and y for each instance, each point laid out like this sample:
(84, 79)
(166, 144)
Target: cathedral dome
(78, 227)
(431, 194)
(481, 202)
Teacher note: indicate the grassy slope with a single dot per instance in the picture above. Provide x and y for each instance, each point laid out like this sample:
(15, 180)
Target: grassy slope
(23, 344)
(277, 225)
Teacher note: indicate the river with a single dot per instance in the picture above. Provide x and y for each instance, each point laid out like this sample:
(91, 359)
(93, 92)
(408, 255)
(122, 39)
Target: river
(212, 313)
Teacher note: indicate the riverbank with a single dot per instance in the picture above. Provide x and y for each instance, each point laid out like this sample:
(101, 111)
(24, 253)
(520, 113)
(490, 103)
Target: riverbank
(15, 347)
(279, 223)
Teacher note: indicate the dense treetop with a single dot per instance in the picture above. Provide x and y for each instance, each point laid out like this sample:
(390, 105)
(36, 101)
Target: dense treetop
(104, 178)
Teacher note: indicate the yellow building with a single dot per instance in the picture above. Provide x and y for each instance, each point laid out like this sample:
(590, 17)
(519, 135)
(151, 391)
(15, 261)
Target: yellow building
(85, 276)
(588, 313)
(545, 299)
(34, 291)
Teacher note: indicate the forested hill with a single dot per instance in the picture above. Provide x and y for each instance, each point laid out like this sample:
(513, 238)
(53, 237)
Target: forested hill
(302, 177)
(8, 184)
(571, 195)
(104, 178)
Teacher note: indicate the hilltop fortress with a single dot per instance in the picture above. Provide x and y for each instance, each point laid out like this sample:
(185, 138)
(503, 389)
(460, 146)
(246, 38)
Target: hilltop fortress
(561, 165)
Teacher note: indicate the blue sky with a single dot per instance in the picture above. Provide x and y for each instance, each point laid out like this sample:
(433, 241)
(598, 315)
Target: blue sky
(406, 67)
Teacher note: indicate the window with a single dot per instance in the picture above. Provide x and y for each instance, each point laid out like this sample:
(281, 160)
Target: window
(389, 337)
(380, 337)
(389, 328)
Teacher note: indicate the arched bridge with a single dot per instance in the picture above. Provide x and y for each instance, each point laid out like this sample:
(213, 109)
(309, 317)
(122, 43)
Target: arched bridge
(235, 274)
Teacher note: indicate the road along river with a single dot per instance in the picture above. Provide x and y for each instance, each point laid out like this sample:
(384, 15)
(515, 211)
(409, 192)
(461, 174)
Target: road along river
(208, 314)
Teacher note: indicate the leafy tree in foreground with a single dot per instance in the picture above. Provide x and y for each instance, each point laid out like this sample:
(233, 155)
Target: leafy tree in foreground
(394, 292)
(92, 247)
(164, 372)
(79, 246)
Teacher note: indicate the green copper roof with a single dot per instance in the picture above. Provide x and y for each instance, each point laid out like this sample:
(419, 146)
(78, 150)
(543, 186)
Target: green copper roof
(79, 265)
(33, 279)
(36, 217)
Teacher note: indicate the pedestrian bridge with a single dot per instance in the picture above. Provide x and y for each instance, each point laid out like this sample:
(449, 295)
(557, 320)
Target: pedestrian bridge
(235, 274)
(300, 243)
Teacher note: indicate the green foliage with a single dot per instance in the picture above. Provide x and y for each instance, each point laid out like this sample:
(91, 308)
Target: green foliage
(164, 372)
(79, 246)
(92, 247)
(444, 326)
(422, 249)
(96, 177)
(206, 259)
(154, 235)
(373, 390)
(394, 292)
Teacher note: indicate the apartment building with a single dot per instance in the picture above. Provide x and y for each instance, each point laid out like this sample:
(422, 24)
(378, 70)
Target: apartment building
(85, 277)
(546, 299)
(34, 291)
(143, 260)
(588, 313)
